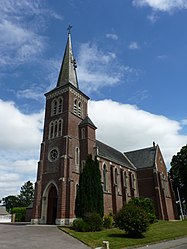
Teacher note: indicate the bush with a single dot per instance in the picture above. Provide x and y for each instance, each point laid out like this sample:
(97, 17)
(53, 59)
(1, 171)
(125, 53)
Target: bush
(95, 221)
(20, 213)
(147, 205)
(108, 221)
(80, 226)
(92, 222)
(133, 220)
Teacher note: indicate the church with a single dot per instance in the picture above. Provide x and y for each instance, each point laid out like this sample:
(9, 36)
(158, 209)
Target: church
(69, 136)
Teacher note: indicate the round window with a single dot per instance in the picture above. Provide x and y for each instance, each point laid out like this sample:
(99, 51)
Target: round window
(53, 155)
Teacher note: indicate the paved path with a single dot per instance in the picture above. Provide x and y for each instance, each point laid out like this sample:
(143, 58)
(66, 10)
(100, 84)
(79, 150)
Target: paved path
(36, 237)
(173, 244)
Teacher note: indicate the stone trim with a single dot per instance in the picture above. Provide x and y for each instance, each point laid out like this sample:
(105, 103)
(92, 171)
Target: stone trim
(63, 222)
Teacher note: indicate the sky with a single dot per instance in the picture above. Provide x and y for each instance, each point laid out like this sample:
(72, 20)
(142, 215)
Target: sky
(131, 57)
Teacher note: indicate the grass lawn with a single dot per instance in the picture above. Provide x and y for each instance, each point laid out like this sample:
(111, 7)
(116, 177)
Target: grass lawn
(162, 230)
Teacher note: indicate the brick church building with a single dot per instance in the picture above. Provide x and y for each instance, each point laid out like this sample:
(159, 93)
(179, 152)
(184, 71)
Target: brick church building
(68, 137)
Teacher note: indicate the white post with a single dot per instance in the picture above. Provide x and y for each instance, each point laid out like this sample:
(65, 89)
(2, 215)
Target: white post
(180, 204)
(106, 245)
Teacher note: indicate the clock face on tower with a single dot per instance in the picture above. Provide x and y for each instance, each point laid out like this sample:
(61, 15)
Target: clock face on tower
(53, 155)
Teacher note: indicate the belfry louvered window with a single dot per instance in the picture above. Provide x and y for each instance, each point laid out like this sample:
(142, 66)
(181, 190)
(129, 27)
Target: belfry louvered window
(57, 106)
(77, 108)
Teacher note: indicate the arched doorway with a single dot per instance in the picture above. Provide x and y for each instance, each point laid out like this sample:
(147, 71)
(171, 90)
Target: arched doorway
(52, 205)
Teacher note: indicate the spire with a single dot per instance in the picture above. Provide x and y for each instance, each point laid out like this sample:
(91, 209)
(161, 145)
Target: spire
(68, 72)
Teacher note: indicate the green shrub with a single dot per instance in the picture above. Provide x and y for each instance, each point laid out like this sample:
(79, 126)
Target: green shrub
(133, 220)
(94, 220)
(20, 213)
(80, 226)
(147, 205)
(108, 221)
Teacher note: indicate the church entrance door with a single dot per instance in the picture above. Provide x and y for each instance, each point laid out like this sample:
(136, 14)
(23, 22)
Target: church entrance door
(52, 205)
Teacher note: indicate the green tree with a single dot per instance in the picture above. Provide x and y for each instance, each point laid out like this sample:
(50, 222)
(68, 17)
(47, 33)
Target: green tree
(26, 195)
(133, 219)
(89, 197)
(147, 205)
(178, 172)
(10, 202)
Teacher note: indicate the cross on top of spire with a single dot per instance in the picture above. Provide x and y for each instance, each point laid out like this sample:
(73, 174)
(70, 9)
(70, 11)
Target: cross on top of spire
(69, 29)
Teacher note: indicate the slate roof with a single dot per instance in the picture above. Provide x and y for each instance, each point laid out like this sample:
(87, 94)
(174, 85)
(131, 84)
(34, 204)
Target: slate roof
(143, 158)
(113, 155)
(68, 72)
(3, 211)
(87, 121)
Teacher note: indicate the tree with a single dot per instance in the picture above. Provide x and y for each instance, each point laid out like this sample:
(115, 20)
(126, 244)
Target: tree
(178, 173)
(24, 199)
(26, 195)
(147, 205)
(89, 197)
(10, 202)
(133, 219)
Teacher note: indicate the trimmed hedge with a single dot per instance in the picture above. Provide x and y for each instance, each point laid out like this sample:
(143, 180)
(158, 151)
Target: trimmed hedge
(20, 213)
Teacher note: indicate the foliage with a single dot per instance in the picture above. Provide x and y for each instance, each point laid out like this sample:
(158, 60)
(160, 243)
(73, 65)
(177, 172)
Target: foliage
(178, 172)
(80, 226)
(26, 195)
(91, 223)
(10, 202)
(94, 221)
(89, 197)
(159, 231)
(108, 221)
(24, 199)
(147, 205)
(133, 220)
(20, 213)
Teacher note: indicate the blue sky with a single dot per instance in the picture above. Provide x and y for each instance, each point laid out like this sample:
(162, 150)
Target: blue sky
(131, 57)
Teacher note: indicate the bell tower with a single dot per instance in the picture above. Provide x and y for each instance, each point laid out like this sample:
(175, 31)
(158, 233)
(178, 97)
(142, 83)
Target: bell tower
(62, 150)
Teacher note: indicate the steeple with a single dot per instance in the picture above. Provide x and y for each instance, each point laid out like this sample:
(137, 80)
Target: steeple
(68, 72)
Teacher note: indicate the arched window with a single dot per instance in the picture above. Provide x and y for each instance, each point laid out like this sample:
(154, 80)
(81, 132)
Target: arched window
(133, 181)
(79, 109)
(54, 107)
(125, 179)
(76, 156)
(116, 176)
(83, 133)
(51, 129)
(104, 178)
(60, 104)
(82, 165)
(56, 129)
(60, 127)
(75, 106)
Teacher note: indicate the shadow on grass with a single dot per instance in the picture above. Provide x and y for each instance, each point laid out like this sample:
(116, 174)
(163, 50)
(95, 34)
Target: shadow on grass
(128, 236)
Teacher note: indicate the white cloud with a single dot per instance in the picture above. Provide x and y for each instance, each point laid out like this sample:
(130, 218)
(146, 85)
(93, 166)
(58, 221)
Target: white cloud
(133, 45)
(153, 17)
(98, 69)
(126, 128)
(162, 5)
(34, 92)
(14, 173)
(19, 131)
(19, 36)
(112, 36)
(20, 138)
(162, 57)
